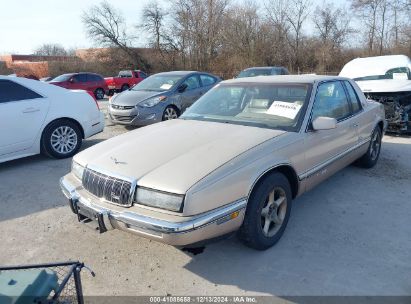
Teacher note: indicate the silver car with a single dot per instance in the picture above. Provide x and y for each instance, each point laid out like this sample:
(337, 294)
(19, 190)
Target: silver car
(162, 96)
(234, 161)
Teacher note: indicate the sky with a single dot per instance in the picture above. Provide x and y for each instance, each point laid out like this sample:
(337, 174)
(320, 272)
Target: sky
(27, 24)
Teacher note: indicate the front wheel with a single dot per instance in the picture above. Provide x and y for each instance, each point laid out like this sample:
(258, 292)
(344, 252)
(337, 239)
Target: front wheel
(61, 139)
(170, 112)
(268, 211)
(369, 159)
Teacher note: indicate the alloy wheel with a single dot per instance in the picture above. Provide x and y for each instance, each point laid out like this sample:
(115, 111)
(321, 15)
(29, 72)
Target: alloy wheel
(64, 140)
(170, 113)
(375, 146)
(100, 94)
(274, 212)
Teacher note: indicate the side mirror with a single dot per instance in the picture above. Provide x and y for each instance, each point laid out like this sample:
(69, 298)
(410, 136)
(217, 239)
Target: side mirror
(182, 87)
(71, 80)
(324, 123)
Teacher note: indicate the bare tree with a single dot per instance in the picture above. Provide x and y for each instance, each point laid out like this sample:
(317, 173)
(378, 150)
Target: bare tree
(333, 27)
(153, 22)
(107, 27)
(277, 12)
(197, 26)
(368, 11)
(296, 16)
(51, 49)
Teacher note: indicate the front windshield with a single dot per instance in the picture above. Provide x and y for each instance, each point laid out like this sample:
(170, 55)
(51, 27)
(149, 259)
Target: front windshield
(63, 77)
(275, 106)
(158, 83)
(254, 72)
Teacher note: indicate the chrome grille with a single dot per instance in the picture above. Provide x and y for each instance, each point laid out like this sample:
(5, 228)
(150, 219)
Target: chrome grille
(118, 107)
(112, 189)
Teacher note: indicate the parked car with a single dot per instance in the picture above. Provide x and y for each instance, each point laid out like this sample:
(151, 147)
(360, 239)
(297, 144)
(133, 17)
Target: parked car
(82, 81)
(37, 117)
(235, 160)
(386, 79)
(46, 79)
(160, 97)
(124, 81)
(263, 71)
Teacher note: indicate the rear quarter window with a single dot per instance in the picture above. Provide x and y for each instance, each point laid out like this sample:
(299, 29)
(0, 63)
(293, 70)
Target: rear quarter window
(11, 91)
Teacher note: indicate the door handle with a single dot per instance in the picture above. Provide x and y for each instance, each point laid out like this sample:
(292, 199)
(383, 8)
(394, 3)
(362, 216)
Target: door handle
(31, 110)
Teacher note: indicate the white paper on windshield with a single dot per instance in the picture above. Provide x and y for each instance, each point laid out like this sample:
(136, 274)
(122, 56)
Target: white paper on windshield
(400, 76)
(166, 86)
(284, 109)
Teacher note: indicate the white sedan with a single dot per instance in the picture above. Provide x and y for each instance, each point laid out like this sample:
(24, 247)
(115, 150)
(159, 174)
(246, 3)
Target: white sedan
(36, 117)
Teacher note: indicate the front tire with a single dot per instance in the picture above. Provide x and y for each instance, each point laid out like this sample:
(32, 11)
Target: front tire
(369, 159)
(170, 112)
(61, 139)
(267, 213)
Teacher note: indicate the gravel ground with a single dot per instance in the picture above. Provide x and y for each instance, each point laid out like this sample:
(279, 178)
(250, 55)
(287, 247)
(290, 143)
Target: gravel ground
(349, 236)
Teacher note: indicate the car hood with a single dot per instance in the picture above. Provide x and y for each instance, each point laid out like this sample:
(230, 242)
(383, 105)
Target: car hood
(132, 98)
(174, 155)
(386, 85)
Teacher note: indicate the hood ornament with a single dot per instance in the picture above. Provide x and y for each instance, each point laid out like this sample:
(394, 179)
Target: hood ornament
(117, 162)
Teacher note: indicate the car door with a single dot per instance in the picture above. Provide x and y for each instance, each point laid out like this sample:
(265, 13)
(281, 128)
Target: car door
(80, 82)
(191, 93)
(22, 113)
(323, 148)
(361, 128)
(207, 82)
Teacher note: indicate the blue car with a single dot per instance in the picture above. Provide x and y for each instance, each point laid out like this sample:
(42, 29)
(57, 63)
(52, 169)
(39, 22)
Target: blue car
(162, 96)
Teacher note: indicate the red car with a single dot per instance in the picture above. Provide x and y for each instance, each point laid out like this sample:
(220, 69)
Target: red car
(82, 81)
(124, 80)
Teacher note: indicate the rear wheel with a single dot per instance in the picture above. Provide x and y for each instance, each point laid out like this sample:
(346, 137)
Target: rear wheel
(99, 93)
(125, 87)
(62, 138)
(170, 112)
(369, 159)
(268, 211)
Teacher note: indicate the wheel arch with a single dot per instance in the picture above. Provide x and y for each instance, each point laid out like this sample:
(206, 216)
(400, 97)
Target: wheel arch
(380, 124)
(175, 107)
(64, 118)
(287, 170)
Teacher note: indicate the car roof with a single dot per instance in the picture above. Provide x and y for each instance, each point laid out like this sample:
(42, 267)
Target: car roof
(180, 73)
(285, 79)
(263, 68)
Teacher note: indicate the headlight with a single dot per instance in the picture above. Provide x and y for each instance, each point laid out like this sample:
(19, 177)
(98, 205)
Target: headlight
(158, 199)
(77, 170)
(151, 102)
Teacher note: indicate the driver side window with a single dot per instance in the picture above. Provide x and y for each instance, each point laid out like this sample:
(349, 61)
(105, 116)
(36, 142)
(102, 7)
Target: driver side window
(331, 101)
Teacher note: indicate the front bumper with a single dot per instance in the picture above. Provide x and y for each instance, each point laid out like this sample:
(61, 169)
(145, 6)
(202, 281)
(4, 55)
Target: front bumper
(172, 230)
(138, 116)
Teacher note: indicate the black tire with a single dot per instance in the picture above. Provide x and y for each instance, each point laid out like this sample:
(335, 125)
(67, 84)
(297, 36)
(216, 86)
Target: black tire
(99, 93)
(252, 231)
(125, 87)
(170, 112)
(72, 140)
(369, 159)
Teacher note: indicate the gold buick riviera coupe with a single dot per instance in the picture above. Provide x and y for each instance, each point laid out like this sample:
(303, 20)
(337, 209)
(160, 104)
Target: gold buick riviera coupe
(234, 161)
